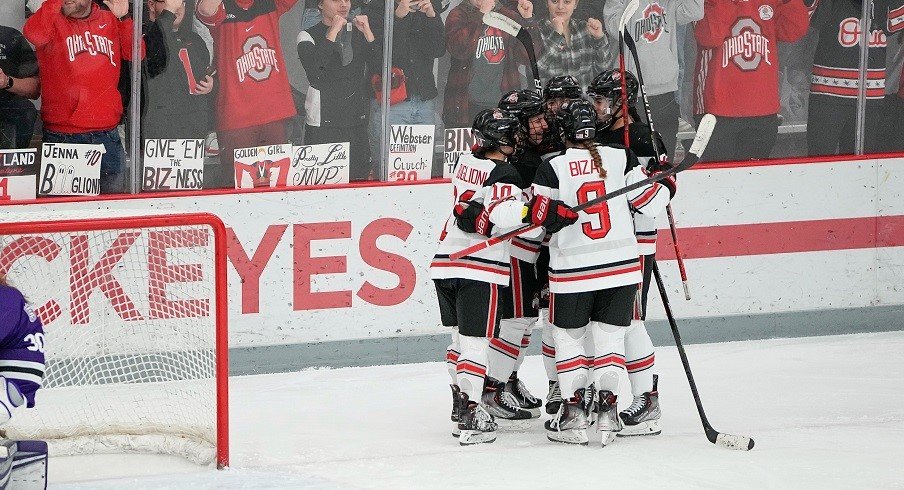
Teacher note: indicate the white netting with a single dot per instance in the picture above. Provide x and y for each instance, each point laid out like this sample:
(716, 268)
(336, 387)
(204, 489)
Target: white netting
(130, 325)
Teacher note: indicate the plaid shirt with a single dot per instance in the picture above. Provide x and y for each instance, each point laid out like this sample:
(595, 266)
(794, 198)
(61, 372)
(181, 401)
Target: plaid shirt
(583, 59)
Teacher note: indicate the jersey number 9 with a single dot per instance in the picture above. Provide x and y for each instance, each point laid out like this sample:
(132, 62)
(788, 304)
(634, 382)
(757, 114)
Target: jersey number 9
(601, 210)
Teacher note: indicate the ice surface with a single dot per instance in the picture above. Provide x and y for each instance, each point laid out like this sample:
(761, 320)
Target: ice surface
(826, 412)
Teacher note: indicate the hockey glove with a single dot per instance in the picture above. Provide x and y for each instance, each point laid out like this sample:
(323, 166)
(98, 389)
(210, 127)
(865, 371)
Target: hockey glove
(472, 217)
(549, 213)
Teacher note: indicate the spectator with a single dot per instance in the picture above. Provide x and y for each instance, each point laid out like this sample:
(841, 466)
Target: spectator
(80, 50)
(835, 84)
(254, 99)
(654, 28)
(571, 47)
(339, 55)
(18, 83)
(176, 74)
(737, 72)
(418, 39)
(484, 60)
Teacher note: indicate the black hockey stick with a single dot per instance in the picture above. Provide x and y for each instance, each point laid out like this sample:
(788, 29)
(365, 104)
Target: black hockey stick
(704, 131)
(729, 441)
(629, 41)
(516, 30)
(630, 8)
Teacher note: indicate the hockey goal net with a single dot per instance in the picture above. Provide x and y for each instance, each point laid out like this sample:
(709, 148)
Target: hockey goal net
(135, 320)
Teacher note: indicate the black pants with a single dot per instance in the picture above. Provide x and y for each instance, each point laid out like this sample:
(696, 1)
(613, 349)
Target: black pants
(832, 125)
(17, 123)
(360, 167)
(665, 111)
(614, 306)
(741, 138)
(475, 307)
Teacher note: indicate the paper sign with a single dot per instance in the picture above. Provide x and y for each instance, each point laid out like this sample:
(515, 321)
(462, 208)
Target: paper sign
(264, 166)
(410, 151)
(319, 164)
(173, 164)
(456, 141)
(69, 169)
(18, 174)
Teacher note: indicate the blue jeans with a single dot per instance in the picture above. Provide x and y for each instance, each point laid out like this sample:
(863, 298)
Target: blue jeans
(415, 110)
(112, 174)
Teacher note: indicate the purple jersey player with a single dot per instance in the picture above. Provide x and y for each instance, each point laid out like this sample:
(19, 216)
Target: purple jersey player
(21, 351)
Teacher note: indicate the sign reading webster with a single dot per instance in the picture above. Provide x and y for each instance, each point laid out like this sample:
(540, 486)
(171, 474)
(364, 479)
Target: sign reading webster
(410, 152)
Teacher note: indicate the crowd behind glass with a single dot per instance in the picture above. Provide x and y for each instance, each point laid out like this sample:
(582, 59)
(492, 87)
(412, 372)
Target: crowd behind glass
(782, 76)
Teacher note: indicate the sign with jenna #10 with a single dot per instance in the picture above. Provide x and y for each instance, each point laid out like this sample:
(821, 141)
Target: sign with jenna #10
(69, 169)
(410, 152)
(18, 174)
(173, 164)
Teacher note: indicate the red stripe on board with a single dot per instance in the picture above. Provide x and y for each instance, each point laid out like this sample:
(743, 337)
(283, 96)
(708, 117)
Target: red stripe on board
(787, 237)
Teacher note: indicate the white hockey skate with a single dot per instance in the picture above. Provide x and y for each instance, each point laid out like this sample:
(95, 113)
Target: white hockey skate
(642, 417)
(607, 422)
(570, 423)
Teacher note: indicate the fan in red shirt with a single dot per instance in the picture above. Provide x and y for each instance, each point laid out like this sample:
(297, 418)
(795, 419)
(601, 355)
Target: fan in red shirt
(80, 49)
(737, 72)
(255, 99)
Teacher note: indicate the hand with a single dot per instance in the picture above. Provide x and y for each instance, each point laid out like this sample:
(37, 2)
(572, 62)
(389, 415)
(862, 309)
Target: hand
(363, 25)
(427, 8)
(558, 23)
(403, 8)
(336, 27)
(119, 8)
(550, 214)
(486, 6)
(526, 9)
(595, 28)
(472, 217)
(205, 86)
(4, 79)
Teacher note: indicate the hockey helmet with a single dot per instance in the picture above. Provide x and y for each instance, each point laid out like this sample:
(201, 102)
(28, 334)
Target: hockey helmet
(494, 128)
(608, 84)
(562, 87)
(577, 120)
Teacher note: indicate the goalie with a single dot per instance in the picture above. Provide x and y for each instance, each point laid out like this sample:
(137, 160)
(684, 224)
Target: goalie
(23, 464)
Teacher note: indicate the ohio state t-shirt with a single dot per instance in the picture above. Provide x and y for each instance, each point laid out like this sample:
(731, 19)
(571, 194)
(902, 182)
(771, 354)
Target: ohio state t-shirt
(486, 71)
(251, 70)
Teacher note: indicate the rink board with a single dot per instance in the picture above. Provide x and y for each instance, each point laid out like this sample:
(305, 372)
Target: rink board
(780, 249)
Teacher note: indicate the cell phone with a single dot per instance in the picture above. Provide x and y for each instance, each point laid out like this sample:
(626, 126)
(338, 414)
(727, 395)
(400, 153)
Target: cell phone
(211, 71)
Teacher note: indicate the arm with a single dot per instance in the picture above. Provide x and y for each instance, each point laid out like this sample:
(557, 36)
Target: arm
(715, 25)
(157, 42)
(317, 58)
(432, 36)
(792, 20)
(612, 12)
(25, 71)
(125, 37)
(688, 11)
(39, 28)
(210, 12)
(549, 57)
(650, 199)
(462, 33)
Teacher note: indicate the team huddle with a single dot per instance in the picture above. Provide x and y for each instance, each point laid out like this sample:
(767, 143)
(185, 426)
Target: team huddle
(583, 275)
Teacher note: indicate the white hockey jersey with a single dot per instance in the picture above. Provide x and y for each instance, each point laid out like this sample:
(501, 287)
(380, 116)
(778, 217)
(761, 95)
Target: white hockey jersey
(498, 187)
(600, 250)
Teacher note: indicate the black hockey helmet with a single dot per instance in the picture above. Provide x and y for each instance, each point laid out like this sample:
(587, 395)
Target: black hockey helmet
(494, 128)
(524, 104)
(562, 87)
(577, 120)
(608, 84)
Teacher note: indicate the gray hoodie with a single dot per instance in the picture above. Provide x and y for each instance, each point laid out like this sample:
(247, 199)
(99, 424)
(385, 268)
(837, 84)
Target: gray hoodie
(654, 29)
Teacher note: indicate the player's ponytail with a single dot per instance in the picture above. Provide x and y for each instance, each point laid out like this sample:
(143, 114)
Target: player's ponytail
(590, 146)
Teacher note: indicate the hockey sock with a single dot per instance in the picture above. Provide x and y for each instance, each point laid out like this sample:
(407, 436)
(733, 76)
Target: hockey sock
(571, 359)
(549, 346)
(639, 358)
(452, 354)
(609, 344)
(504, 348)
(525, 342)
(472, 365)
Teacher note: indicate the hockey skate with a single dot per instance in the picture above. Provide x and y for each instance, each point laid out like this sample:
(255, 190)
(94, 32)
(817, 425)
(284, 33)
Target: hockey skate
(607, 422)
(642, 417)
(503, 407)
(553, 398)
(570, 423)
(475, 424)
(523, 398)
(456, 391)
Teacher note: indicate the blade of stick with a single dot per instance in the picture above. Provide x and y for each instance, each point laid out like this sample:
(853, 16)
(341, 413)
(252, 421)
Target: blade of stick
(503, 23)
(630, 8)
(704, 131)
(514, 29)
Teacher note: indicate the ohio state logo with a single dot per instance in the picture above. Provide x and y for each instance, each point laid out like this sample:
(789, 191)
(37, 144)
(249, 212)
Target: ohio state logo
(259, 60)
(747, 47)
(491, 46)
(849, 34)
(651, 26)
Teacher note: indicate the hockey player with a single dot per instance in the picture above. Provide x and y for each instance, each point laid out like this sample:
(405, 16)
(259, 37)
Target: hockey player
(23, 463)
(593, 272)
(558, 90)
(471, 291)
(642, 417)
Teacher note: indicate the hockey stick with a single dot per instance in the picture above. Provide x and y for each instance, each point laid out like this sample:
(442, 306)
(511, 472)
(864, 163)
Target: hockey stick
(704, 131)
(630, 8)
(729, 441)
(516, 30)
(629, 40)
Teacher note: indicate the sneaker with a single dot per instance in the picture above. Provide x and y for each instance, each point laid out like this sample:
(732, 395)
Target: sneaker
(642, 417)
(503, 406)
(523, 398)
(607, 422)
(553, 398)
(570, 423)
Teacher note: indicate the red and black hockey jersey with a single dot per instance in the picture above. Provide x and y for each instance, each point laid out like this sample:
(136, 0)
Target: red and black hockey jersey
(737, 59)
(836, 66)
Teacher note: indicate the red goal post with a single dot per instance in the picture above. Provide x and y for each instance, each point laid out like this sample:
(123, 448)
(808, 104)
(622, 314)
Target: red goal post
(136, 322)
